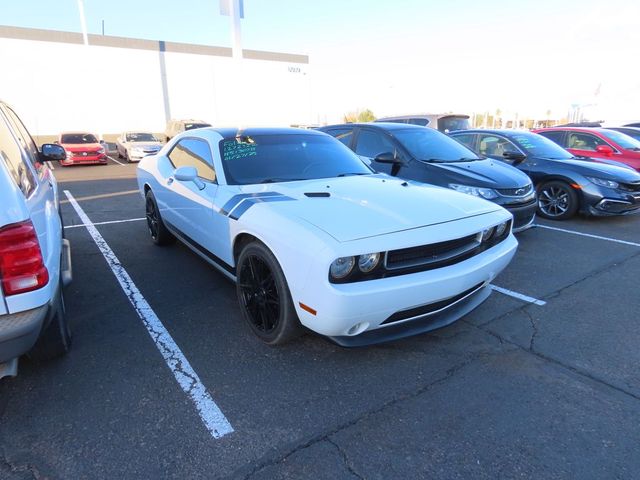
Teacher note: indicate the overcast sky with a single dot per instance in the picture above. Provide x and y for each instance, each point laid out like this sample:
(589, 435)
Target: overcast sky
(406, 56)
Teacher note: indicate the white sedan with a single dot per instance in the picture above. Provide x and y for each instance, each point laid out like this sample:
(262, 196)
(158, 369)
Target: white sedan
(312, 236)
(133, 146)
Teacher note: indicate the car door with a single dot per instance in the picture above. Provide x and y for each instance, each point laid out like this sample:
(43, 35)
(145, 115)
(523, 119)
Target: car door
(583, 144)
(370, 143)
(190, 206)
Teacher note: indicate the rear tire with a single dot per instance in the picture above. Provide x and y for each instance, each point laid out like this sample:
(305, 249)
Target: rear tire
(160, 234)
(557, 200)
(264, 297)
(55, 340)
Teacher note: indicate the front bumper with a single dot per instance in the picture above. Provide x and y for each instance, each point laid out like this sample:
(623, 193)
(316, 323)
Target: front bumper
(523, 215)
(605, 202)
(355, 314)
(82, 160)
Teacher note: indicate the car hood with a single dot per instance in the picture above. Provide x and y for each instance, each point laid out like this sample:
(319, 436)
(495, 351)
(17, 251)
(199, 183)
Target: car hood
(365, 206)
(617, 171)
(144, 145)
(483, 173)
(81, 147)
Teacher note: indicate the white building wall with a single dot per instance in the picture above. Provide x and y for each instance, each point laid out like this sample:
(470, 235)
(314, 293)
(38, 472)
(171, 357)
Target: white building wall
(56, 86)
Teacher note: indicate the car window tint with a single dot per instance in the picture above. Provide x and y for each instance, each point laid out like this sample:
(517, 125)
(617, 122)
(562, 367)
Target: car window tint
(465, 139)
(27, 142)
(193, 152)
(556, 137)
(583, 141)
(11, 156)
(492, 146)
(343, 134)
(423, 122)
(370, 144)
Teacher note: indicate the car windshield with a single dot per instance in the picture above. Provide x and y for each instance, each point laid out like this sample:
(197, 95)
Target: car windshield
(191, 126)
(428, 144)
(141, 137)
(252, 159)
(633, 133)
(71, 138)
(625, 141)
(539, 146)
(453, 122)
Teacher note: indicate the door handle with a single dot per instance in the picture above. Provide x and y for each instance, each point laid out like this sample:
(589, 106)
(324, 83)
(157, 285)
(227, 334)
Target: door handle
(169, 180)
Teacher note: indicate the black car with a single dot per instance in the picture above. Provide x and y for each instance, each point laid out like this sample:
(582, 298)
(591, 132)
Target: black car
(565, 184)
(427, 155)
(633, 132)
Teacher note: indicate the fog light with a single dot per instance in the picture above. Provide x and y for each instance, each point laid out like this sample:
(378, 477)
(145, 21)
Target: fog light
(358, 328)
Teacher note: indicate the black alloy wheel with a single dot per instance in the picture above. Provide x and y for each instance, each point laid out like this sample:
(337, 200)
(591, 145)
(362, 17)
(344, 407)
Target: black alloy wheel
(264, 296)
(160, 235)
(557, 201)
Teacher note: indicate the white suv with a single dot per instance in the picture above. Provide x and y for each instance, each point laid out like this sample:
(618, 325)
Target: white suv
(35, 260)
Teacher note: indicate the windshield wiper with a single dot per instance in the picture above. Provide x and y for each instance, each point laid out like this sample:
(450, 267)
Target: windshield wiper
(351, 173)
(435, 160)
(278, 180)
(468, 159)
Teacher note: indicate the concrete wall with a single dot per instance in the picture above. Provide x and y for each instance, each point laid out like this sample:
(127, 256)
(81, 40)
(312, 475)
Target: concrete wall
(56, 83)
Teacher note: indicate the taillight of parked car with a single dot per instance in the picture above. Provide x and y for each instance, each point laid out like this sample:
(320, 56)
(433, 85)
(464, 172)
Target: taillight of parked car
(22, 268)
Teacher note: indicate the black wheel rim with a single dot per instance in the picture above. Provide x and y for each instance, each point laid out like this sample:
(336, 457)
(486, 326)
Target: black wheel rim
(554, 201)
(152, 218)
(259, 293)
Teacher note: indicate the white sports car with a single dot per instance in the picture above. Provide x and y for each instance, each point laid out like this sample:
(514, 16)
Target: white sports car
(312, 236)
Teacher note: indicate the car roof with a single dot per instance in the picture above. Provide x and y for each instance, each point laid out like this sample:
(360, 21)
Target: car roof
(378, 125)
(497, 131)
(78, 133)
(237, 132)
(573, 129)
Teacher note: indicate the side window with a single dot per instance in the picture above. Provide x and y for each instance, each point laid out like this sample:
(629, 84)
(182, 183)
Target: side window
(194, 152)
(27, 142)
(423, 122)
(11, 156)
(345, 135)
(583, 141)
(467, 139)
(555, 137)
(492, 146)
(370, 144)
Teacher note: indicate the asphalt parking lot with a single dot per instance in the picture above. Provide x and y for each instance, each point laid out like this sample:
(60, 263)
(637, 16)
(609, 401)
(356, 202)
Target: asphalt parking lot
(541, 381)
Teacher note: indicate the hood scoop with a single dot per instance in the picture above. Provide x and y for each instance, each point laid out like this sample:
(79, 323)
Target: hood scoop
(317, 194)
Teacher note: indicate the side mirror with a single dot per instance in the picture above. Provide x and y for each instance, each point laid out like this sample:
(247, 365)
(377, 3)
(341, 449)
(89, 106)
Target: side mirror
(52, 153)
(388, 157)
(605, 150)
(515, 156)
(189, 174)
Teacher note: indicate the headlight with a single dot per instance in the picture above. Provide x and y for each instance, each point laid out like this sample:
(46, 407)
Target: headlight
(100, 150)
(487, 193)
(342, 267)
(367, 262)
(603, 183)
(500, 229)
(486, 234)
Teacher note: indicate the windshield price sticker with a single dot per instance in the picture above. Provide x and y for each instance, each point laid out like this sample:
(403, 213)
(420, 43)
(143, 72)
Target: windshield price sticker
(234, 150)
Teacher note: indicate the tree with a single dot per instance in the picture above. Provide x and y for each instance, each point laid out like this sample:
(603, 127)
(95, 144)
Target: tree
(359, 116)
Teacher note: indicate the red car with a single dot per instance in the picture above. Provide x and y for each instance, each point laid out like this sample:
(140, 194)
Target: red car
(597, 143)
(82, 148)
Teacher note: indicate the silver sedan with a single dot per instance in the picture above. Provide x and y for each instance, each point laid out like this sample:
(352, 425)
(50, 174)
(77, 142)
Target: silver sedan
(133, 146)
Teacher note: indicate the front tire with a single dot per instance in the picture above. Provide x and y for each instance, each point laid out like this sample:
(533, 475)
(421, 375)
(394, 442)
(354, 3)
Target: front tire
(557, 200)
(160, 234)
(264, 297)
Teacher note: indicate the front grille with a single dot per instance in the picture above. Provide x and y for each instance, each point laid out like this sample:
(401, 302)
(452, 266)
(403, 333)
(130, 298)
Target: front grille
(433, 253)
(516, 192)
(83, 154)
(630, 187)
(430, 308)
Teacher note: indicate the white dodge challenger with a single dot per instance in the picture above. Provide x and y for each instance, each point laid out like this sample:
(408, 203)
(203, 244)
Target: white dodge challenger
(311, 236)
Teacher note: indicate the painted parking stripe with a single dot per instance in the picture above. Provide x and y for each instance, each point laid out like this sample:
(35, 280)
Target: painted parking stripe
(111, 158)
(519, 296)
(212, 417)
(598, 237)
(106, 223)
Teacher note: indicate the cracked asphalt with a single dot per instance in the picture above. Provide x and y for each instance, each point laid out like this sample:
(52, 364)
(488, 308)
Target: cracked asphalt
(514, 390)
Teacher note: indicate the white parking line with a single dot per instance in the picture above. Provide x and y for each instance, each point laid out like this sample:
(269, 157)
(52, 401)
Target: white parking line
(111, 158)
(519, 296)
(608, 239)
(51, 166)
(105, 223)
(212, 417)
